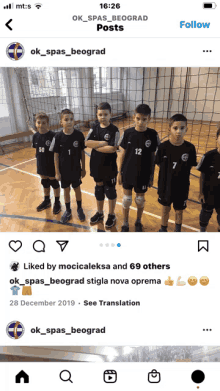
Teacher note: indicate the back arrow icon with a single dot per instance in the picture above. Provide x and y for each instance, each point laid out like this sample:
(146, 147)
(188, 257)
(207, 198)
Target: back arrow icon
(7, 24)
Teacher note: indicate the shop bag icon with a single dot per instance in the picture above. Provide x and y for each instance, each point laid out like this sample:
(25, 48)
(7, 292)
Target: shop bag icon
(154, 376)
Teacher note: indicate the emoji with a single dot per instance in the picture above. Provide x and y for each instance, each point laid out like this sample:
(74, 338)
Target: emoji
(180, 283)
(169, 282)
(204, 281)
(192, 281)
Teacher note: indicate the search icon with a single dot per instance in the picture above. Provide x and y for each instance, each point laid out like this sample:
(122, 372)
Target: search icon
(65, 375)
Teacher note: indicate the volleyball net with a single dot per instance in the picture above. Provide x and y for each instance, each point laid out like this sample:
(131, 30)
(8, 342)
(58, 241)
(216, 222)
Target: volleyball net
(194, 92)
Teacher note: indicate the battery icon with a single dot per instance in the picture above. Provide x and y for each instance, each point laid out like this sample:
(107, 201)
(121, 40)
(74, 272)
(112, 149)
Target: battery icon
(209, 5)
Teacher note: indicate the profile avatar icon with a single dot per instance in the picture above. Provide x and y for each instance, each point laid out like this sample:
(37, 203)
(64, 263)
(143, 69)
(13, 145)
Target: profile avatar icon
(15, 329)
(14, 266)
(15, 51)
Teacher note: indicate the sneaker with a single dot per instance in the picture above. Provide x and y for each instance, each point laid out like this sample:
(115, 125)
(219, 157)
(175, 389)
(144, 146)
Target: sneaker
(66, 217)
(44, 205)
(138, 226)
(57, 208)
(125, 228)
(162, 230)
(81, 214)
(110, 222)
(202, 229)
(96, 218)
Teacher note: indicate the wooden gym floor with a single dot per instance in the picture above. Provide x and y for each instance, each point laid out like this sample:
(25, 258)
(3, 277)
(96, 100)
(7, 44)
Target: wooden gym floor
(21, 192)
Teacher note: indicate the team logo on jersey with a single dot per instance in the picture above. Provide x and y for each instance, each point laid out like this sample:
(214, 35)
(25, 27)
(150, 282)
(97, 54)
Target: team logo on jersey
(107, 136)
(185, 157)
(48, 142)
(148, 143)
(75, 144)
(15, 329)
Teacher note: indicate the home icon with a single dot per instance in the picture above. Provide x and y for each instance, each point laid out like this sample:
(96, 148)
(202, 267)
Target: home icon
(22, 375)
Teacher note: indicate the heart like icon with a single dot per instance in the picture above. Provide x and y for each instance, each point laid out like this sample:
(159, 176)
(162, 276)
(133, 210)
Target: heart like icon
(15, 245)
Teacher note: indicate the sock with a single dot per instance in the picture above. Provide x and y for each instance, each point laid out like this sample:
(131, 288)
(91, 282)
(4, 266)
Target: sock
(47, 198)
(68, 207)
(57, 200)
(178, 228)
(125, 223)
(138, 220)
(164, 228)
(79, 204)
(101, 213)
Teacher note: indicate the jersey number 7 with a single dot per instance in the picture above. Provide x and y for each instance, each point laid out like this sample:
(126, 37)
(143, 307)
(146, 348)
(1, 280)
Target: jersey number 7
(174, 164)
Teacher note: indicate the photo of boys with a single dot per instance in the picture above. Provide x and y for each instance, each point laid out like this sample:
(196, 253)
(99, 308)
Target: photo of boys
(209, 195)
(103, 139)
(175, 157)
(45, 162)
(68, 147)
(102, 105)
(137, 163)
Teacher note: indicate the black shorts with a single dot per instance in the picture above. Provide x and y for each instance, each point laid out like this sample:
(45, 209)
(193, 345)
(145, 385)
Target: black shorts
(209, 206)
(211, 199)
(137, 189)
(179, 203)
(49, 171)
(74, 184)
(107, 182)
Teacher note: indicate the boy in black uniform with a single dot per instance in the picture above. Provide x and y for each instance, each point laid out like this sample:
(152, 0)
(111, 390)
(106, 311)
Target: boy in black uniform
(137, 163)
(45, 162)
(68, 147)
(209, 195)
(103, 139)
(175, 157)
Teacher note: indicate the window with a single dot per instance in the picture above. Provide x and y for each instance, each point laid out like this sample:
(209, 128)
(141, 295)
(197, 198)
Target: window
(106, 80)
(42, 82)
(3, 103)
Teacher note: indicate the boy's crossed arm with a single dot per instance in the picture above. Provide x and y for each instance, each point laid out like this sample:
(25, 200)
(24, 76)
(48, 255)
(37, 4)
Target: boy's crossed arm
(112, 145)
(95, 144)
(107, 149)
(101, 146)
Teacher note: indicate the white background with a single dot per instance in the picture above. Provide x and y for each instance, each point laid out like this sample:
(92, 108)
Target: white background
(54, 19)
(130, 376)
(167, 315)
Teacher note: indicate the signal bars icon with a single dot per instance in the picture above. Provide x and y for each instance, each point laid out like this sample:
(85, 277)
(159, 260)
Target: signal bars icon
(38, 5)
(9, 6)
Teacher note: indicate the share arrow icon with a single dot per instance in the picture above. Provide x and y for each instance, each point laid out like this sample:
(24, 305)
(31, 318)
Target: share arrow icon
(62, 244)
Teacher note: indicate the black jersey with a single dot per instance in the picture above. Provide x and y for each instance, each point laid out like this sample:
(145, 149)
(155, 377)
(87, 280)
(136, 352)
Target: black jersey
(139, 146)
(175, 164)
(210, 166)
(103, 166)
(69, 147)
(45, 158)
